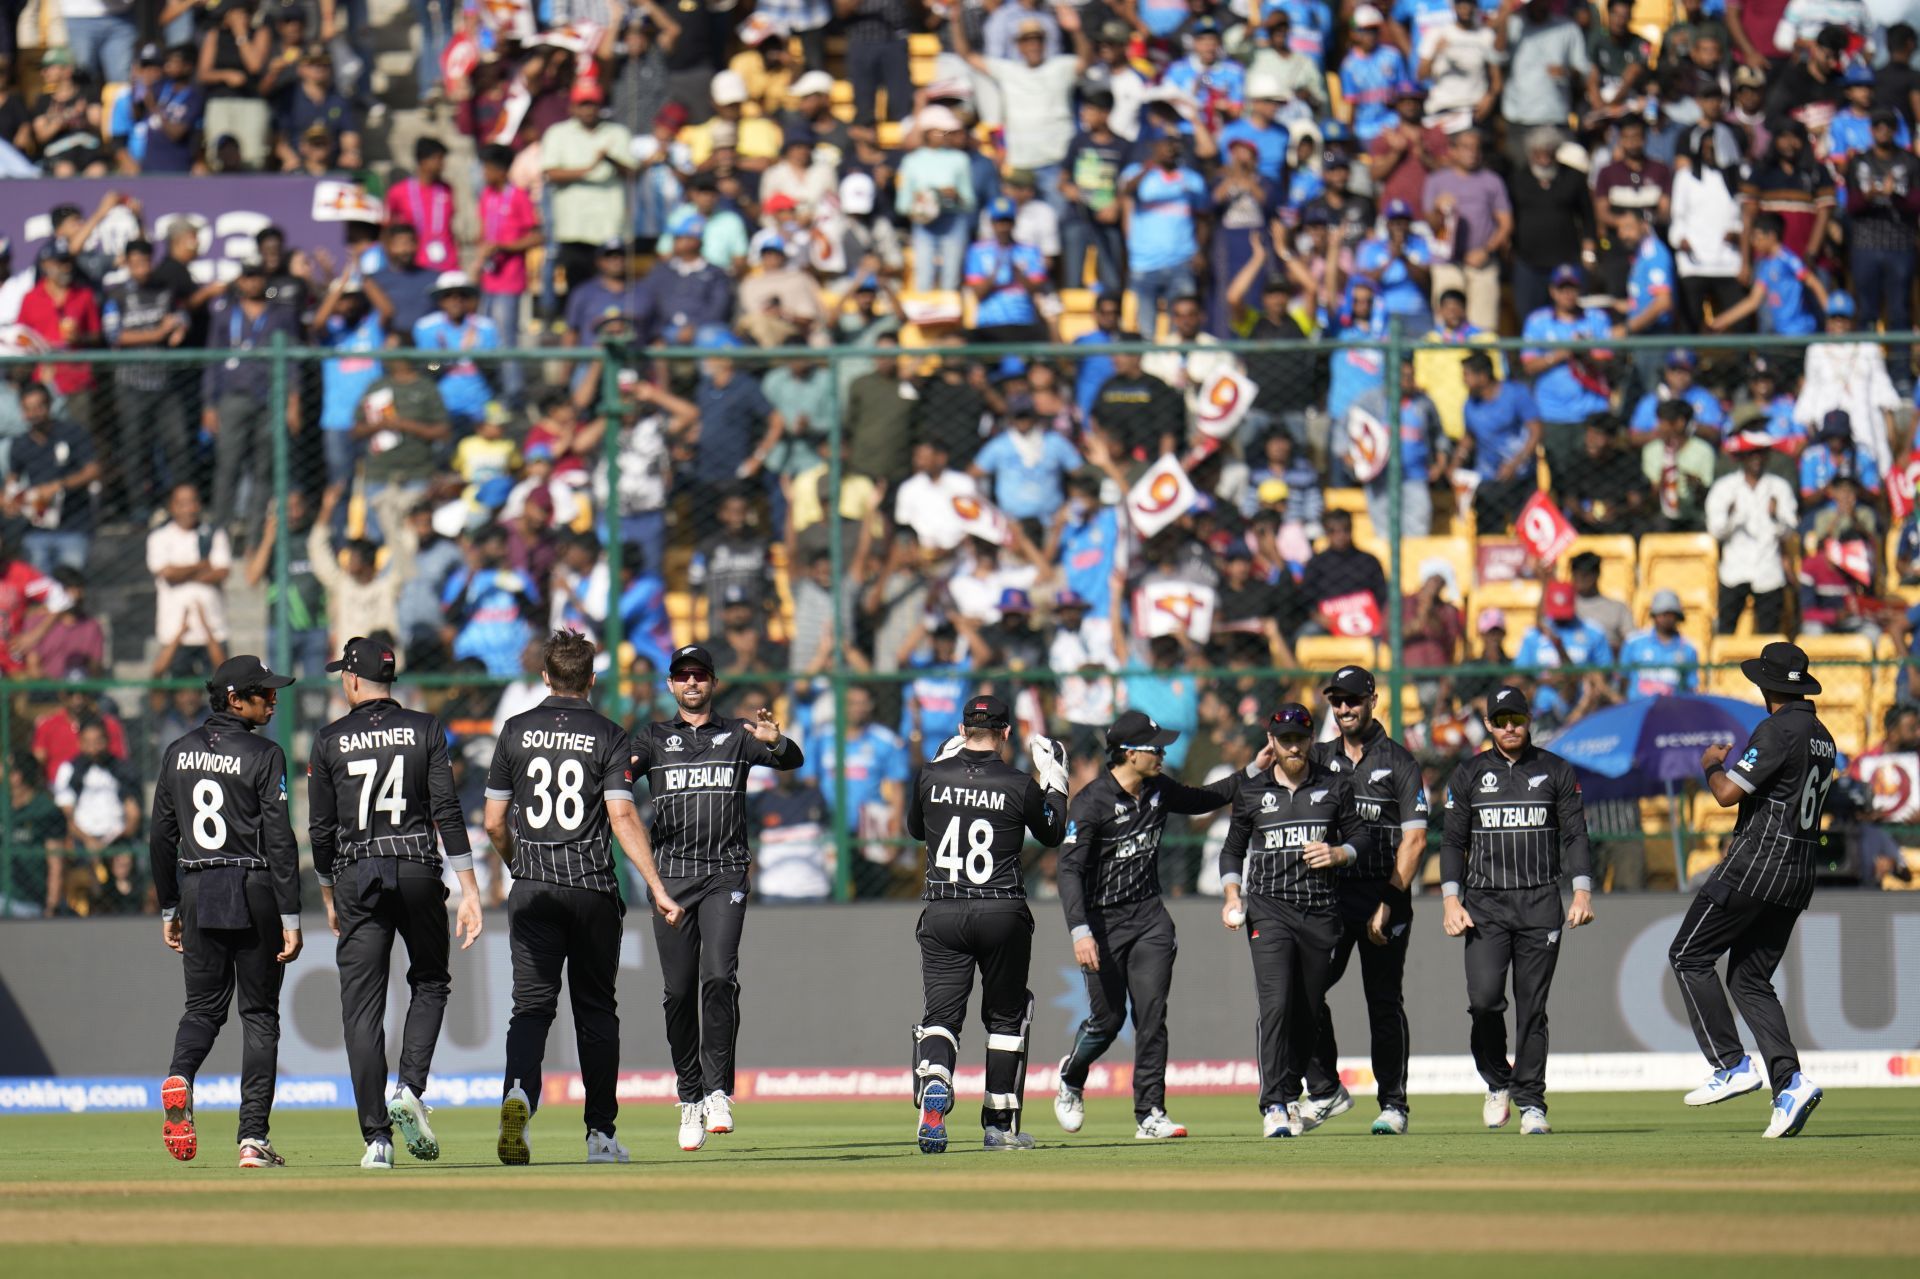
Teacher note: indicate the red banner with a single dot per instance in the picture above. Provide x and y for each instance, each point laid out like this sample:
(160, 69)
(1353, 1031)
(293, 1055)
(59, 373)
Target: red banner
(1355, 616)
(1543, 530)
(1901, 485)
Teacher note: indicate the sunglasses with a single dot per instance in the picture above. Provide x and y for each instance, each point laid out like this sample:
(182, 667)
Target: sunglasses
(1511, 719)
(1290, 722)
(1343, 700)
(691, 677)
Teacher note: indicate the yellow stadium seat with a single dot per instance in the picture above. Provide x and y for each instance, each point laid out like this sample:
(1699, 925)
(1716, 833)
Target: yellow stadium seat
(1839, 663)
(1354, 500)
(1129, 312)
(925, 44)
(680, 616)
(1073, 325)
(889, 134)
(1727, 652)
(1677, 560)
(1520, 601)
(1411, 711)
(1326, 652)
(1886, 677)
(1077, 301)
(1416, 551)
(922, 71)
(842, 111)
(1618, 563)
(1700, 861)
(1706, 817)
(110, 95)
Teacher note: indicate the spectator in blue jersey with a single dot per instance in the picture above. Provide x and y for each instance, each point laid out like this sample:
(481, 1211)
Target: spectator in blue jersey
(739, 428)
(156, 122)
(682, 295)
(1569, 386)
(793, 853)
(1424, 450)
(1004, 277)
(877, 767)
(1832, 454)
(455, 325)
(408, 286)
(1851, 130)
(1787, 295)
(1677, 383)
(1159, 684)
(1370, 75)
(1352, 371)
(1259, 128)
(1309, 28)
(1161, 18)
(351, 319)
(1647, 309)
(1503, 434)
(1093, 371)
(1762, 404)
(1026, 464)
(930, 701)
(1660, 661)
(1166, 234)
(1402, 263)
(643, 609)
(1086, 539)
(1560, 639)
(1217, 85)
(489, 608)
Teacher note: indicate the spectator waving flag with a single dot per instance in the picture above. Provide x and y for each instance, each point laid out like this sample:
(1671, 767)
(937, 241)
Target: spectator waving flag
(1543, 530)
(982, 519)
(1368, 440)
(1225, 398)
(1160, 496)
(1176, 608)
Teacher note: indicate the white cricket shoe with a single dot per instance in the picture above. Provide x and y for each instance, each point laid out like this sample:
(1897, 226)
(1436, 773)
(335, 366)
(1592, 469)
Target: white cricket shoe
(1001, 1139)
(1497, 1109)
(516, 1112)
(1391, 1123)
(1069, 1104)
(1723, 1085)
(1155, 1126)
(719, 1112)
(693, 1128)
(604, 1148)
(1791, 1108)
(1315, 1111)
(1296, 1123)
(1533, 1122)
(409, 1115)
(379, 1154)
(1274, 1122)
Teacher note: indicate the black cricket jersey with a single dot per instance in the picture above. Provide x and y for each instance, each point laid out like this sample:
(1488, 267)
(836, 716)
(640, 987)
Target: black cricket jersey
(1785, 772)
(560, 764)
(1111, 853)
(974, 811)
(221, 800)
(1515, 823)
(1270, 825)
(698, 777)
(1388, 792)
(379, 784)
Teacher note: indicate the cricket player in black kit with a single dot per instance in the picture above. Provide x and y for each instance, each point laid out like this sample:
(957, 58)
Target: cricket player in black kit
(974, 812)
(1514, 818)
(380, 809)
(560, 791)
(1376, 904)
(1291, 827)
(696, 767)
(1751, 900)
(1123, 938)
(227, 873)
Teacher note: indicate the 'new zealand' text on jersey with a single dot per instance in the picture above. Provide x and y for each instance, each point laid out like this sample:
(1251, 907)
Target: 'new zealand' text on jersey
(1514, 823)
(1388, 793)
(698, 778)
(561, 764)
(379, 784)
(1785, 772)
(1111, 854)
(973, 811)
(1271, 826)
(221, 800)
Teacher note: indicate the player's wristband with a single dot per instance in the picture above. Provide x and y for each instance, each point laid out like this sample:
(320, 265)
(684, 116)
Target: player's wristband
(1450, 889)
(291, 923)
(1583, 883)
(1707, 773)
(1081, 930)
(167, 915)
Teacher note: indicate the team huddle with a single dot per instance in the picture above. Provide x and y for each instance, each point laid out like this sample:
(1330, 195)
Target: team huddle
(1325, 840)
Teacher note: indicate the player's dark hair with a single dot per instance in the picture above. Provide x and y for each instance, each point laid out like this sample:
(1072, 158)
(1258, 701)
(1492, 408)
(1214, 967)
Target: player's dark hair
(1772, 223)
(568, 662)
(219, 696)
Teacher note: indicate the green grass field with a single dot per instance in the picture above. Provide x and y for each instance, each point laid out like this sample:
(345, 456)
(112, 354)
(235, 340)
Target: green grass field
(1629, 1183)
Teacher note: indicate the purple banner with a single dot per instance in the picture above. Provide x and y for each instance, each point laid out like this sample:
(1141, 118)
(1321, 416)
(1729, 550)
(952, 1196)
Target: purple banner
(228, 212)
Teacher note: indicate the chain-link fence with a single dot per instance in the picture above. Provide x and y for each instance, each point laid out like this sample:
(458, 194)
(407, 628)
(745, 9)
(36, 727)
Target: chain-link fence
(866, 534)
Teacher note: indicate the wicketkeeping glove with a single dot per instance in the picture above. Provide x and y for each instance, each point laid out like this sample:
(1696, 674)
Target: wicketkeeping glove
(1049, 764)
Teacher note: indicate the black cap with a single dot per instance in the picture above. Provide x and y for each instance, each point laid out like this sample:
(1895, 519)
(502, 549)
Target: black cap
(1291, 719)
(368, 658)
(692, 655)
(1355, 681)
(985, 711)
(1509, 701)
(1781, 668)
(247, 671)
(1138, 731)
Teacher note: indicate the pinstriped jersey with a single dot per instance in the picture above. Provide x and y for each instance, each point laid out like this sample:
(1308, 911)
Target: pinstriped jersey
(1111, 854)
(1514, 823)
(221, 800)
(1784, 772)
(974, 812)
(1388, 792)
(560, 765)
(379, 784)
(697, 775)
(1271, 826)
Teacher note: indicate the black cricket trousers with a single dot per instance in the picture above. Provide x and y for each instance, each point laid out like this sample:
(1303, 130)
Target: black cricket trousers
(1292, 947)
(374, 904)
(700, 966)
(219, 962)
(1754, 935)
(1137, 950)
(552, 928)
(1383, 972)
(995, 936)
(1514, 930)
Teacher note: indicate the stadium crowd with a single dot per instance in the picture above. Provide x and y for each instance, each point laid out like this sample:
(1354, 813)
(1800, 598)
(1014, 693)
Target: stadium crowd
(908, 178)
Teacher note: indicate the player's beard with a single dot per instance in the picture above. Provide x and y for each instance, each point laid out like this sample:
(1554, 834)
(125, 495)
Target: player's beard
(694, 697)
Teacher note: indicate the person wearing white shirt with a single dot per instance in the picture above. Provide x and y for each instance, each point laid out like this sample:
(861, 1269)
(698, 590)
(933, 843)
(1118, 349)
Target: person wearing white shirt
(1036, 94)
(1802, 21)
(1852, 378)
(189, 562)
(924, 500)
(1750, 512)
(1187, 371)
(1705, 235)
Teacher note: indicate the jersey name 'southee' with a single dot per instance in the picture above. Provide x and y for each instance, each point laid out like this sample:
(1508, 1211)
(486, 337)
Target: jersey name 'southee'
(967, 796)
(375, 739)
(207, 762)
(537, 739)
